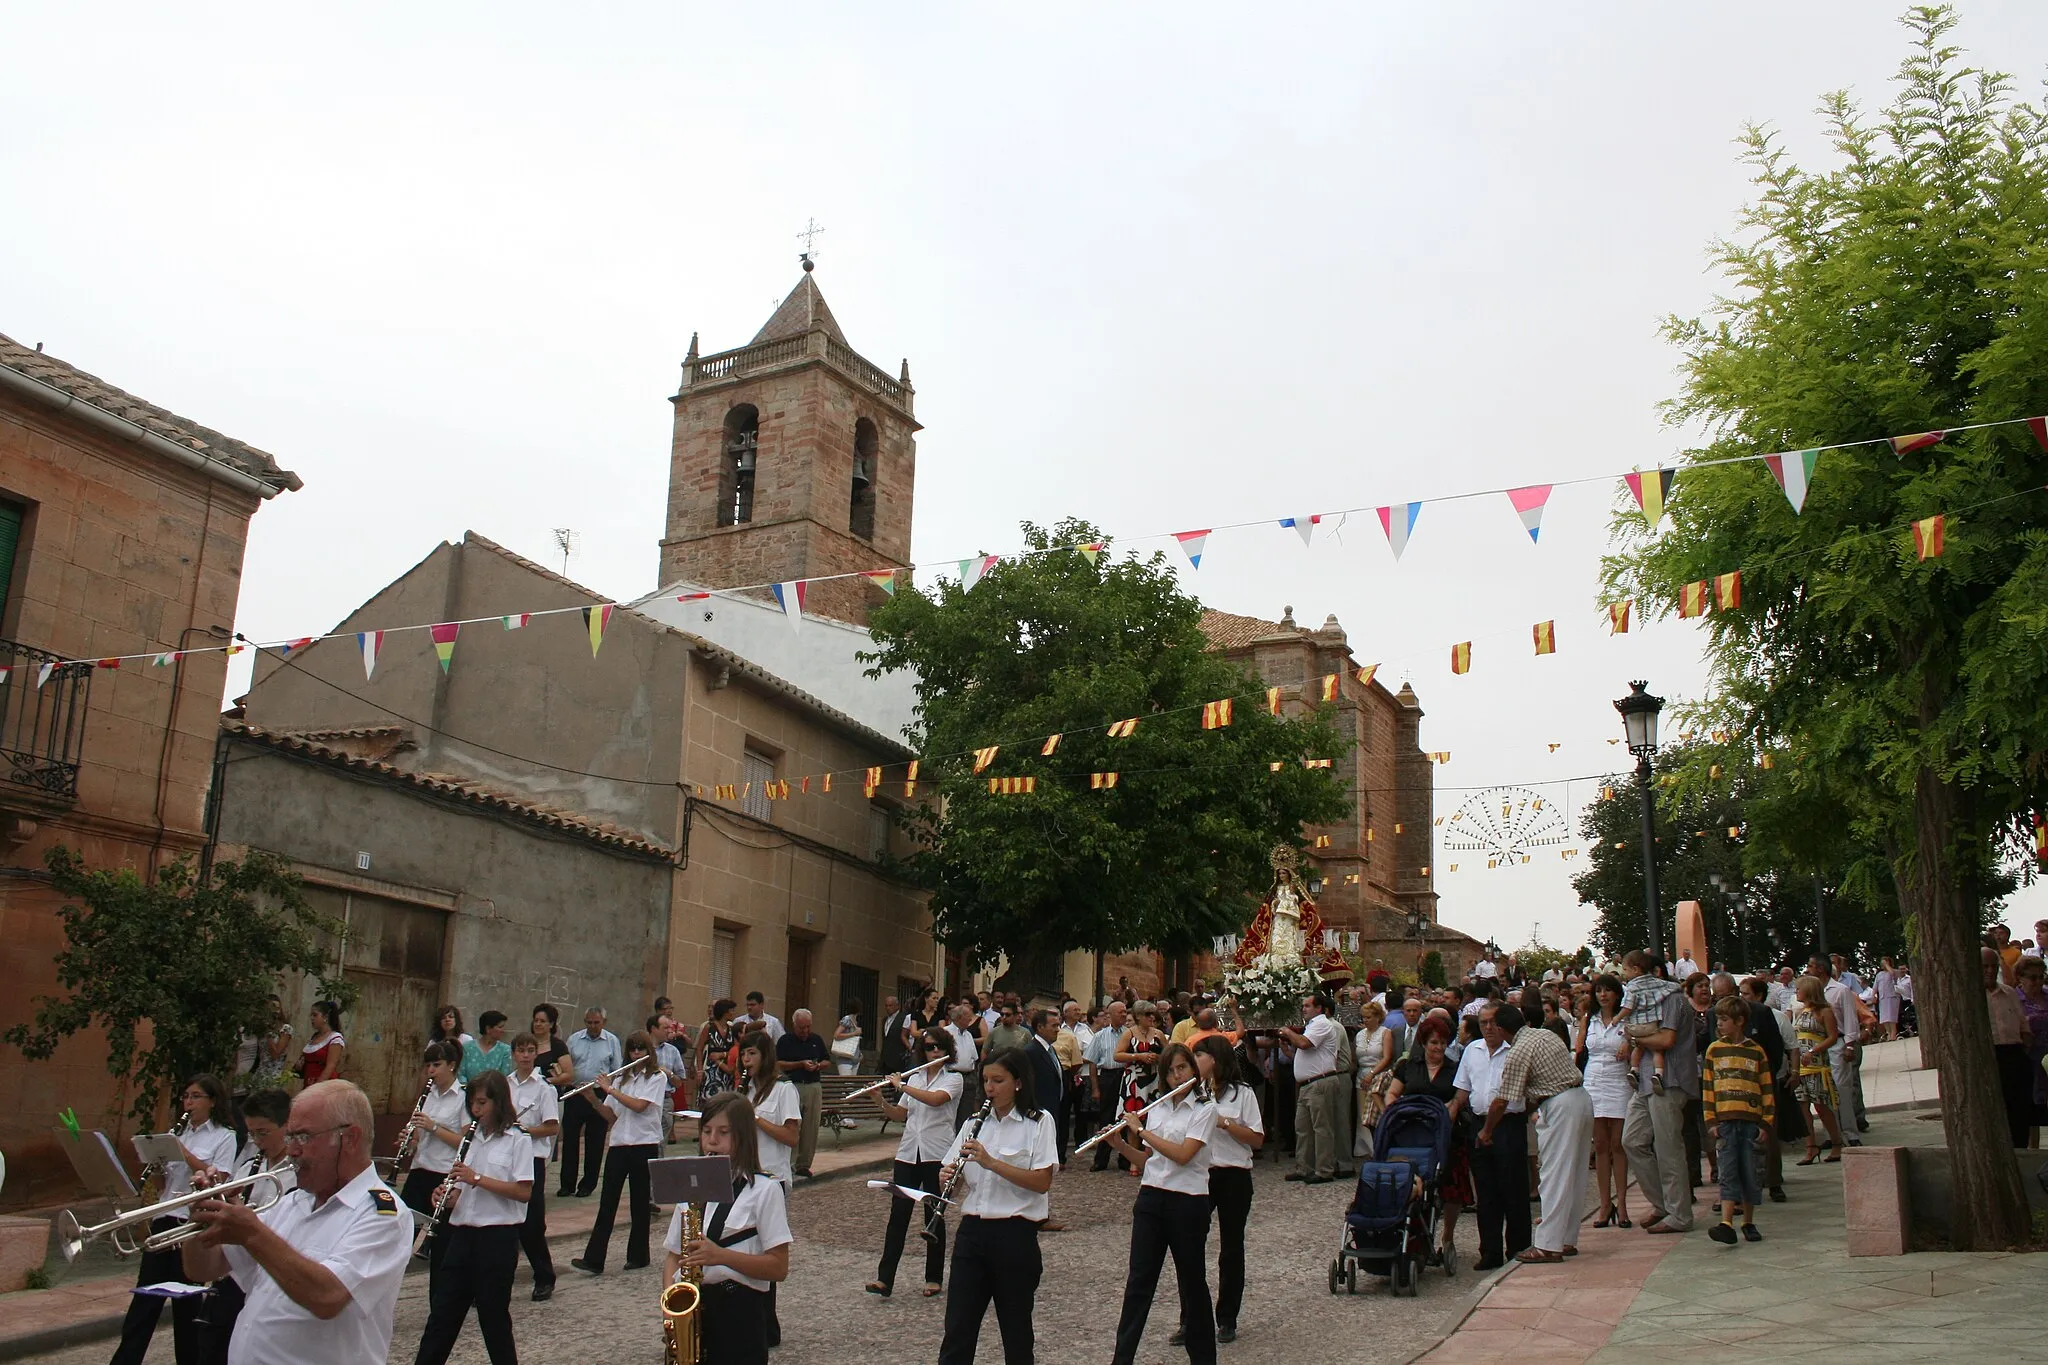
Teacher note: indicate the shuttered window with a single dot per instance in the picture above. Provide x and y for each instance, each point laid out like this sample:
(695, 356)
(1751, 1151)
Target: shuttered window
(10, 539)
(724, 942)
(757, 773)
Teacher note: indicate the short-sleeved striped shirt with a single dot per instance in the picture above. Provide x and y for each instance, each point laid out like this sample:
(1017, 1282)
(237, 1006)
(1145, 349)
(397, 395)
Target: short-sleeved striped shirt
(1539, 1067)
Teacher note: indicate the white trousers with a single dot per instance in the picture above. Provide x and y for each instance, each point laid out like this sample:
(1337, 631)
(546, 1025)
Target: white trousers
(1564, 1135)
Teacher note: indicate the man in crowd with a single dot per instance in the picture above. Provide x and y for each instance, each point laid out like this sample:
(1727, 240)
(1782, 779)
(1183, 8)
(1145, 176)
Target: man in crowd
(966, 1057)
(1541, 1075)
(593, 1051)
(1009, 1031)
(757, 1017)
(1109, 1077)
(1500, 1169)
(1048, 1076)
(1081, 1078)
(1316, 1091)
(802, 1056)
(894, 1056)
(2009, 1036)
(1653, 1133)
(1846, 1062)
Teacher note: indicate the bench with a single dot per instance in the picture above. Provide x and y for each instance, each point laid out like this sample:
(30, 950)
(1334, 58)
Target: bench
(834, 1102)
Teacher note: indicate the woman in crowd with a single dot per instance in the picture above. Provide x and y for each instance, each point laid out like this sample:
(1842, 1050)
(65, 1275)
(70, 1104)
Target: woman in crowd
(1374, 1050)
(1813, 1020)
(208, 1146)
(448, 1027)
(1170, 1149)
(925, 1107)
(1699, 992)
(715, 1042)
(1239, 1135)
(1138, 1052)
(490, 1052)
(632, 1110)
(493, 1182)
(846, 1038)
(1433, 1073)
(2031, 974)
(739, 1270)
(551, 1059)
(326, 1050)
(1887, 984)
(1604, 1041)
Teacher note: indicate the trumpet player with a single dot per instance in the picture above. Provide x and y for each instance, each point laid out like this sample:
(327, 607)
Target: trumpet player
(632, 1106)
(1006, 1162)
(745, 1247)
(491, 1184)
(925, 1104)
(208, 1144)
(540, 1118)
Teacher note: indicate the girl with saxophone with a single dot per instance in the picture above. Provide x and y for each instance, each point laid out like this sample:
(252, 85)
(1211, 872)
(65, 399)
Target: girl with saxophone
(489, 1189)
(778, 1118)
(925, 1104)
(632, 1113)
(1170, 1146)
(206, 1136)
(1005, 1158)
(743, 1251)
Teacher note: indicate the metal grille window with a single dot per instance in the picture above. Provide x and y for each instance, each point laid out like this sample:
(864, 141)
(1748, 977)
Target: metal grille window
(758, 772)
(878, 833)
(724, 946)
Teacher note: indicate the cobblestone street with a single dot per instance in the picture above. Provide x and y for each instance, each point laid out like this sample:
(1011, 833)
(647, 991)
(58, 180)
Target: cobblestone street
(1289, 1314)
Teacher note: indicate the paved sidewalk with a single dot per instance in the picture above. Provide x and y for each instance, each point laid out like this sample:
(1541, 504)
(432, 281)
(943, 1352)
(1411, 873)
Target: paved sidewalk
(1892, 1078)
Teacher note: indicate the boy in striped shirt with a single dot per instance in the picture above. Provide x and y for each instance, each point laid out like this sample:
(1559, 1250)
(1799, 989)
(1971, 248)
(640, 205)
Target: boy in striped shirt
(1739, 1103)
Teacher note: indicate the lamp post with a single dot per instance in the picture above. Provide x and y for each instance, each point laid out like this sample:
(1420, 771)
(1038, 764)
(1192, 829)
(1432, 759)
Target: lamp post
(1639, 722)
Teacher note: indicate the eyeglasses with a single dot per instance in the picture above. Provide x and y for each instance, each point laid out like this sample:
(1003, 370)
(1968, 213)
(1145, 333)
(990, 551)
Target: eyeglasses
(301, 1139)
(191, 1095)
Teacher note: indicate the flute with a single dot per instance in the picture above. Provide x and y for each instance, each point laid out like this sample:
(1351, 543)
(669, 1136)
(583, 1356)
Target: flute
(895, 1080)
(1174, 1093)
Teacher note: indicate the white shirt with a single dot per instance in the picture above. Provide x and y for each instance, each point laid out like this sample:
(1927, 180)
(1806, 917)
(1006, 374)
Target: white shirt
(1082, 1035)
(535, 1103)
(449, 1109)
(1190, 1116)
(930, 1126)
(779, 1108)
(363, 1236)
(1485, 969)
(637, 1128)
(766, 1023)
(1319, 1058)
(1683, 968)
(1016, 1141)
(1844, 1001)
(1479, 1076)
(213, 1145)
(508, 1156)
(991, 1016)
(1240, 1104)
(251, 1161)
(964, 1051)
(761, 1208)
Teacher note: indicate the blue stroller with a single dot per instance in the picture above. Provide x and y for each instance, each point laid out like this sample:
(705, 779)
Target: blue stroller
(1390, 1228)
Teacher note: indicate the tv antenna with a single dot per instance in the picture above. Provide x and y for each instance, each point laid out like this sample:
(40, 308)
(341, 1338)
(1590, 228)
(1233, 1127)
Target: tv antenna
(565, 541)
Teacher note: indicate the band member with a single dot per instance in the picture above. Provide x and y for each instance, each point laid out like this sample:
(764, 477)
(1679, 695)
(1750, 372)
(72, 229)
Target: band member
(438, 1129)
(492, 1184)
(321, 1267)
(924, 1107)
(1240, 1133)
(632, 1107)
(778, 1117)
(538, 1113)
(1171, 1146)
(208, 1145)
(744, 1251)
(1006, 1162)
(265, 1113)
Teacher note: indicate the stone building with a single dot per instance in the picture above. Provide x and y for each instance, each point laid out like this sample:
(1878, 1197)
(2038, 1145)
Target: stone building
(122, 528)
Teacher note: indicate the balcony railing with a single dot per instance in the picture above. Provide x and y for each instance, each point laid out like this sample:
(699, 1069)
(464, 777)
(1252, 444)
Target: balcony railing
(42, 724)
(772, 355)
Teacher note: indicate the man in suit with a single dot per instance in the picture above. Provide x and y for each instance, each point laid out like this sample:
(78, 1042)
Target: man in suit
(1048, 1081)
(895, 1057)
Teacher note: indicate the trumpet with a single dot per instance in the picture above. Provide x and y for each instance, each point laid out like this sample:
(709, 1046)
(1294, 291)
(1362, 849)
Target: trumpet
(1172, 1094)
(120, 1230)
(899, 1079)
(637, 1062)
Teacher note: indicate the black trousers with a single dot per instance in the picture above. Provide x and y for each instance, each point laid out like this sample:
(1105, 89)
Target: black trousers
(995, 1260)
(583, 1139)
(1059, 1124)
(145, 1309)
(1080, 1110)
(1164, 1221)
(1109, 1095)
(215, 1321)
(1500, 1180)
(627, 1163)
(476, 1272)
(1230, 1194)
(920, 1175)
(735, 1324)
(533, 1234)
(418, 1193)
(2016, 1080)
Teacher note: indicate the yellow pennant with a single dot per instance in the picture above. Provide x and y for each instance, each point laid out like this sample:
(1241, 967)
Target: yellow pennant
(1545, 633)
(1617, 616)
(1330, 686)
(1365, 674)
(1273, 701)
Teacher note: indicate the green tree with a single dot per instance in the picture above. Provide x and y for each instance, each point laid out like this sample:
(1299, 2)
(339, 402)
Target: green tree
(1900, 291)
(1173, 855)
(193, 961)
(1433, 969)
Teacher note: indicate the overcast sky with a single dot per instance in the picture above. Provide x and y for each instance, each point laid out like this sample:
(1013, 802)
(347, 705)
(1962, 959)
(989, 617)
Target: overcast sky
(1163, 267)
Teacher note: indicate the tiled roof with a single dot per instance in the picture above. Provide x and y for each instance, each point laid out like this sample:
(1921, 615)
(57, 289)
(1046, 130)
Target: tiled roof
(1228, 631)
(183, 431)
(803, 311)
(459, 789)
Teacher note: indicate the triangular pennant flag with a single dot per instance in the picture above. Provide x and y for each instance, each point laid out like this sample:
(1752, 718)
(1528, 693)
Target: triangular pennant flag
(444, 641)
(1919, 440)
(1617, 615)
(1365, 674)
(43, 672)
(1191, 543)
(1692, 599)
(790, 597)
(1052, 742)
(595, 619)
(517, 622)
(1728, 591)
(1303, 526)
(1123, 729)
(1529, 506)
(371, 642)
(1793, 473)
(973, 568)
(984, 757)
(1091, 551)
(910, 780)
(1273, 701)
(107, 663)
(1461, 658)
(1097, 781)
(296, 645)
(1929, 537)
(1546, 641)
(1216, 714)
(5, 674)
(2039, 426)
(885, 579)
(1651, 490)
(1398, 521)
(1330, 686)
(166, 660)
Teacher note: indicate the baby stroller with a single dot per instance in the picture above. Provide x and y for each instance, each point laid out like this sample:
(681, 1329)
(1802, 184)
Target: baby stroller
(1390, 1228)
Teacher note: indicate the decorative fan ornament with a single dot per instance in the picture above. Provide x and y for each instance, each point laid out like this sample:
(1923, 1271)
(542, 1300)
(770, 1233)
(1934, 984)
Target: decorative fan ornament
(1506, 824)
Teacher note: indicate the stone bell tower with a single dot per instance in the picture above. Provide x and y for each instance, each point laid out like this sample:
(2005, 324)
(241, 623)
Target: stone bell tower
(793, 458)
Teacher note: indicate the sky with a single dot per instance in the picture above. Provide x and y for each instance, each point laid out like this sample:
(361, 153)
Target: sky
(1161, 267)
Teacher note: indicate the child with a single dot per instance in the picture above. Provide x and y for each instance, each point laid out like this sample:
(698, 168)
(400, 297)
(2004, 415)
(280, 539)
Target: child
(1739, 1102)
(1642, 995)
(745, 1246)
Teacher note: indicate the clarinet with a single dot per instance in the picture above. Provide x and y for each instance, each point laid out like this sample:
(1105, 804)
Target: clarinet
(935, 1214)
(411, 1141)
(444, 1194)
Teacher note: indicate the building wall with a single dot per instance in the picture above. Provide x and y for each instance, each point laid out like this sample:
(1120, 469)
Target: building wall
(121, 553)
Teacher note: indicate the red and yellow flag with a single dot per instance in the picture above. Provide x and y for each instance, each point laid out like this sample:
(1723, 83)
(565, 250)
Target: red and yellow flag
(874, 781)
(1461, 658)
(1097, 781)
(1330, 686)
(1273, 701)
(1929, 537)
(1617, 615)
(910, 780)
(984, 757)
(1919, 440)
(1123, 729)
(1051, 742)
(1322, 841)
(1011, 786)
(1692, 599)
(1545, 633)
(825, 783)
(1728, 591)
(1365, 674)
(1215, 714)
(1315, 763)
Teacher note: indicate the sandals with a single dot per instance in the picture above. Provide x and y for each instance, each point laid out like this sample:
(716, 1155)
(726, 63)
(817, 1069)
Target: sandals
(1831, 1159)
(1811, 1157)
(878, 1289)
(1622, 1222)
(1534, 1256)
(1605, 1220)
(932, 1291)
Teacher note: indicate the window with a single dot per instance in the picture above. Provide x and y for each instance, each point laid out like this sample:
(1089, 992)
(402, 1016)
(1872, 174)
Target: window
(11, 516)
(724, 948)
(878, 832)
(757, 772)
(860, 517)
(742, 443)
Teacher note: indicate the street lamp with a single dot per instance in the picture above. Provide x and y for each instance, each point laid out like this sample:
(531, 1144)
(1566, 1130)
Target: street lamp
(1639, 722)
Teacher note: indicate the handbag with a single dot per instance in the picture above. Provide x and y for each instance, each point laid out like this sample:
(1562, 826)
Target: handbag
(1372, 1099)
(846, 1049)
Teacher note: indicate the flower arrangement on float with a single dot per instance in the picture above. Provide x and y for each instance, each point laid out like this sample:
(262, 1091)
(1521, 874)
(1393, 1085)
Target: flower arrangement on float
(1268, 995)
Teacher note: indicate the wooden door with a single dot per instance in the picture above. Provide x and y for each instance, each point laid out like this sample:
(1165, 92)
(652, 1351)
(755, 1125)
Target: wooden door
(796, 986)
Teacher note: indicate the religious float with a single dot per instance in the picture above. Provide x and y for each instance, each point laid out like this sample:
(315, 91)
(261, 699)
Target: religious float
(1284, 955)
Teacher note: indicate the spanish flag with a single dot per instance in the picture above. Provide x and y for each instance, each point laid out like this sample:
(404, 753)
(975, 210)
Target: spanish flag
(1330, 686)
(1928, 537)
(984, 757)
(1461, 658)
(1273, 700)
(1215, 714)
(874, 781)
(1728, 591)
(1546, 636)
(910, 780)
(1124, 729)
(1097, 781)
(1692, 599)
(1051, 742)
(1365, 674)
(1919, 440)
(1617, 615)
(1011, 786)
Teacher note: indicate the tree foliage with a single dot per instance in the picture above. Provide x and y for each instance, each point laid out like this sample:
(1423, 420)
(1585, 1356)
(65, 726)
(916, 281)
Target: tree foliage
(1173, 855)
(193, 962)
(1900, 291)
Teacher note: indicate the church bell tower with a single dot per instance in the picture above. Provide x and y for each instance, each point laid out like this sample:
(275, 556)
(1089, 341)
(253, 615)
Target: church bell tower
(793, 457)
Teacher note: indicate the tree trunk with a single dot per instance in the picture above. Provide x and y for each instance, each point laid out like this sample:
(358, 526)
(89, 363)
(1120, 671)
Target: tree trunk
(1990, 1202)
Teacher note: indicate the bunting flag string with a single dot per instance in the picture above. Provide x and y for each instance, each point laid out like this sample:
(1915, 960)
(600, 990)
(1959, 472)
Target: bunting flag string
(444, 642)
(1365, 674)
(595, 619)
(1330, 681)
(1617, 616)
(1016, 786)
(1398, 522)
(1692, 599)
(1793, 471)
(910, 780)
(1302, 526)
(1650, 489)
(1100, 781)
(1123, 729)
(1461, 657)
(885, 579)
(1191, 543)
(1728, 591)
(515, 622)
(790, 597)
(1052, 742)
(1528, 504)
(1272, 701)
(1091, 552)
(1216, 714)
(1906, 445)
(984, 757)
(973, 568)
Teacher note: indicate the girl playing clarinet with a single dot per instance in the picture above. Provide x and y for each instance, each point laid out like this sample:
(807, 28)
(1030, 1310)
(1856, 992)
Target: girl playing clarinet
(925, 1109)
(745, 1247)
(1171, 1147)
(492, 1183)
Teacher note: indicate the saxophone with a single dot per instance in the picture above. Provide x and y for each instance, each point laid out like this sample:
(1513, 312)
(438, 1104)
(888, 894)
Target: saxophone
(682, 1336)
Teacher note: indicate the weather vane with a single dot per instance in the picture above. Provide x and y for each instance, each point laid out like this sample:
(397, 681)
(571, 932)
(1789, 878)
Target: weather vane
(809, 237)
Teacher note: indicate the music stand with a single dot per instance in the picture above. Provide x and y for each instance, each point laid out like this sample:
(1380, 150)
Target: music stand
(98, 1168)
(696, 1180)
